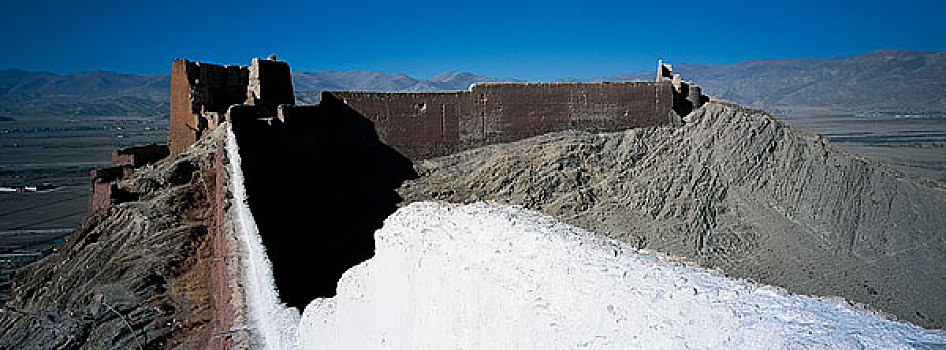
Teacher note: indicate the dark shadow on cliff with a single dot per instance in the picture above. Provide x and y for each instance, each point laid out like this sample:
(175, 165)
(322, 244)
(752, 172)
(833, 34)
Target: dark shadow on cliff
(319, 185)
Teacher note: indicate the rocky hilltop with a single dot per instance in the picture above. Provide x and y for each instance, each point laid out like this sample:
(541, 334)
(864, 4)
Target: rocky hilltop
(134, 276)
(734, 189)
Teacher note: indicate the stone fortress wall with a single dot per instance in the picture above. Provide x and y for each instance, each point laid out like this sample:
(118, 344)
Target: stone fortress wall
(417, 125)
(200, 95)
(423, 125)
(427, 124)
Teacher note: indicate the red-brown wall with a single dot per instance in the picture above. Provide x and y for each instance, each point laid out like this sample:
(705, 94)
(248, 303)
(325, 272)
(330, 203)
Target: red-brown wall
(418, 124)
(199, 92)
(428, 124)
(183, 121)
(140, 155)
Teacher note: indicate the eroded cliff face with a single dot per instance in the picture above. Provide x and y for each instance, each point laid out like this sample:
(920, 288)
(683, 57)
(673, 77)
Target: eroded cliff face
(135, 275)
(733, 189)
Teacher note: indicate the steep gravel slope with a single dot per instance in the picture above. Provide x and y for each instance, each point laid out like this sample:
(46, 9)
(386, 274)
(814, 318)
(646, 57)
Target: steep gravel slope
(734, 189)
(135, 276)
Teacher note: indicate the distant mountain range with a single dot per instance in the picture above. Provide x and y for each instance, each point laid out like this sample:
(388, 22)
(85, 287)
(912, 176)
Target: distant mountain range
(87, 93)
(883, 80)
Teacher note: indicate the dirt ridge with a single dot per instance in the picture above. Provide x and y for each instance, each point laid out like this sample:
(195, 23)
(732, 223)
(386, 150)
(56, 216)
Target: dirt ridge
(735, 189)
(134, 276)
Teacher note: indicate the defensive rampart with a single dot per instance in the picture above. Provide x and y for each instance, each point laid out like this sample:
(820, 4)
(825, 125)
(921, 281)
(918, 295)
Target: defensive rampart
(124, 161)
(422, 125)
(427, 124)
(200, 94)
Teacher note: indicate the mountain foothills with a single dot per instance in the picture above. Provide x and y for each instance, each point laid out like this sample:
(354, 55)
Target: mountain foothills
(87, 93)
(894, 81)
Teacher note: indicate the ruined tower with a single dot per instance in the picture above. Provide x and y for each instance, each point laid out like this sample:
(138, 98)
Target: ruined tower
(201, 94)
(687, 95)
(270, 83)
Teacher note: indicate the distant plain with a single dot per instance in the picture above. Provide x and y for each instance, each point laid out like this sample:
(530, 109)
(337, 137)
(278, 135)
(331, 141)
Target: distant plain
(60, 151)
(912, 144)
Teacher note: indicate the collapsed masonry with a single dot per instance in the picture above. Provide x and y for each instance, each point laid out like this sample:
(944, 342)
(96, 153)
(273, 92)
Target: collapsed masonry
(124, 161)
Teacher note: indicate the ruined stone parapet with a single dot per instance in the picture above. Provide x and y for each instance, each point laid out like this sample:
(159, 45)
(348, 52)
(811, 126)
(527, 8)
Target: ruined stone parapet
(199, 93)
(695, 96)
(103, 187)
(270, 83)
(139, 156)
(103, 190)
(687, 95)
(664, 71)
(424, 124)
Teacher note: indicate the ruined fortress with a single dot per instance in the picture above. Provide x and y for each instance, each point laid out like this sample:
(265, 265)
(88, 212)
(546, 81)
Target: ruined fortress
(314, 184)
(424, 124)
(259, 98)
(322, 178)
(164, 258)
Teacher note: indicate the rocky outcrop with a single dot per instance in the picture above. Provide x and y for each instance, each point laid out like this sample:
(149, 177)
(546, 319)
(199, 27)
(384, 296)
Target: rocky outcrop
(734, 189)
(136, 275)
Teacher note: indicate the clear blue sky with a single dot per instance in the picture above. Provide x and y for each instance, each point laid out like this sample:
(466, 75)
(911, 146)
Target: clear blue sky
(529, 39)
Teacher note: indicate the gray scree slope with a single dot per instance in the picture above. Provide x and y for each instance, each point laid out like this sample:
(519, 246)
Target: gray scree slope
(735, 189)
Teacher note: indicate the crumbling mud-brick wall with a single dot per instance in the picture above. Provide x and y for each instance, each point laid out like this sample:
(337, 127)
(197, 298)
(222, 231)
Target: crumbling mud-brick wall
(520, 110)
(417, 124)
(200, 95)
(124, 161)
(270, 83)
(687, 95)
(140, 155)
(429, 124)
(102, 181)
